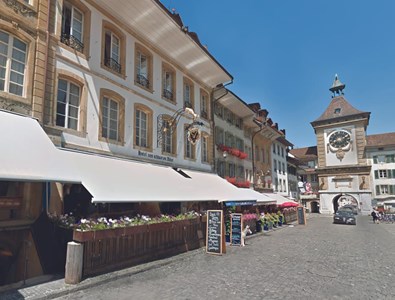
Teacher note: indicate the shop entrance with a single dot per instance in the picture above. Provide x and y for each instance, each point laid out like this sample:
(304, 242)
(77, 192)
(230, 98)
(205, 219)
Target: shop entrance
(315, 207)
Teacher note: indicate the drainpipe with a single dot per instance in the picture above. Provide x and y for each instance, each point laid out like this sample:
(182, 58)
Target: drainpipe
(212, 114)
(46, 63)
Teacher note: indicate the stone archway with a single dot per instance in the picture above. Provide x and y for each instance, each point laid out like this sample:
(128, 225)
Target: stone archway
(343, 199)
(315, 207)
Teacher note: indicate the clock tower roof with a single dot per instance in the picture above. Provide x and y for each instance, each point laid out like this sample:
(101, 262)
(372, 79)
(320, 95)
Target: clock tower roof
(338, 109)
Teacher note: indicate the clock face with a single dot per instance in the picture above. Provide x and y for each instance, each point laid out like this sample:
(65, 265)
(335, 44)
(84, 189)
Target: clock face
(339, 139)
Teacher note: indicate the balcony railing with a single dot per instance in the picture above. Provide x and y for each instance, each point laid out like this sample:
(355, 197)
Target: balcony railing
(142, 80)
(168, 94)
(72, 41)
(113, 65)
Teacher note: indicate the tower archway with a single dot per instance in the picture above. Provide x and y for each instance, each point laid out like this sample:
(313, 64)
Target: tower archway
(343, 199)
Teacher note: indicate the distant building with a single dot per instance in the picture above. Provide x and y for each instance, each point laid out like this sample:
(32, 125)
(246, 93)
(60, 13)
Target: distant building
(308, 186)
(380, 152)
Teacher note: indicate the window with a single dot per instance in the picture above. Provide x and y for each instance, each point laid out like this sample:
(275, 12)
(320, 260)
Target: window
(275, 165)
(168, 83)
(278, 149)
(337, 111)
(263, 155)
(143, 128)
(239, 123)
(232, 170)
(110, 119)
(283, 167)
(282, 152)
(385, 189)
(72, 27)
(188, 94)
(143, 75)
(204, 145)
(68, 104)
(221, 168)
(112, 112)
(240, 172)
(12, 64)
(314, 178)
(189, 148)
(113, 55)
(75, 26)
(384, 174)
(390, 158)
(112, 51)
(274, 148)
(219, 110)
(219, 136)
(204, 105)
(239, 144)
(169, 138)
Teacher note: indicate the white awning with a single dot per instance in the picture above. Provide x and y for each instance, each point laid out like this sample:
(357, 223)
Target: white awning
(211, 187)
(278, 198)
(117, 180)
(27, 154)
(260, 198)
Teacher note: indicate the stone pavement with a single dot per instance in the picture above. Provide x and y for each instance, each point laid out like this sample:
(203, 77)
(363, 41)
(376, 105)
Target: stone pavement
(318, 261)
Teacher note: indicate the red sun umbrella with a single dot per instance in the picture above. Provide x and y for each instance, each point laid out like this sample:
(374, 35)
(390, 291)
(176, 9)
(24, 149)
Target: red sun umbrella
(289, 204)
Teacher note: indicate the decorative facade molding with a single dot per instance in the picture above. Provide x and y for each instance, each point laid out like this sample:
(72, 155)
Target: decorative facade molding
(19, 7)
(14, 106)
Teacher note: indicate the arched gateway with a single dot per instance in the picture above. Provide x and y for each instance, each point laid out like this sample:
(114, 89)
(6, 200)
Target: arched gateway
(343, 199)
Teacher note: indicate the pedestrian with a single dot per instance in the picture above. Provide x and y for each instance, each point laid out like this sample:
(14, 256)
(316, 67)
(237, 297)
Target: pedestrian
(374, 216)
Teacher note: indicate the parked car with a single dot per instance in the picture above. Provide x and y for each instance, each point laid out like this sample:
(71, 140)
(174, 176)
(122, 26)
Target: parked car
(350, 207)
(344, 217)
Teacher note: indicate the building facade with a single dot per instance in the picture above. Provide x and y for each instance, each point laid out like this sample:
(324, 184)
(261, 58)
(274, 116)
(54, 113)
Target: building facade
(380, 152)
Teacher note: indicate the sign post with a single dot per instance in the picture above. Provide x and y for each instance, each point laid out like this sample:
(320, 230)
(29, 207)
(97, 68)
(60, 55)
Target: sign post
(215, 235)
(236, 225)
(301, 215)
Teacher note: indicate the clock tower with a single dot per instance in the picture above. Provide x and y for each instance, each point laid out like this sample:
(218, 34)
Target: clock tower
(343, 171)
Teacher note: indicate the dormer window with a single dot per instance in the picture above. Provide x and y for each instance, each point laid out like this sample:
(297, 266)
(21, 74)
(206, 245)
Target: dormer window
(337, 111)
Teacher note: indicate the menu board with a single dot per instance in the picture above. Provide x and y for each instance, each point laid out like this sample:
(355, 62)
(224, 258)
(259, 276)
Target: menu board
(235, 229)
(301, 216)
(214, 232)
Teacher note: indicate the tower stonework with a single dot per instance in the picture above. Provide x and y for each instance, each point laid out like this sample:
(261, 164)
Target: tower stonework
(341, 140)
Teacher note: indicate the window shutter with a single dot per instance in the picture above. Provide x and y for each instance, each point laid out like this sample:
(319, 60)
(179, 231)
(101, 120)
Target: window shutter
(377, 190)
(376, 174)
(392, 189)
(393, 173)
(375, 160)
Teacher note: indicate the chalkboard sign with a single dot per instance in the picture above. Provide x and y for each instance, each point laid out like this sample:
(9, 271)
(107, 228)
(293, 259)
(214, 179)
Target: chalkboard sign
(214, 237)
(235, 229)
(301, 215)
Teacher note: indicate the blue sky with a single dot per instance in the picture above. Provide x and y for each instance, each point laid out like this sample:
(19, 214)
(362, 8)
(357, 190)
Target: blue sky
(285, 54)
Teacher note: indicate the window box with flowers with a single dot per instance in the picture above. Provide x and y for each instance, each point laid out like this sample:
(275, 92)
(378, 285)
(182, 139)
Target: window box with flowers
(250, 220)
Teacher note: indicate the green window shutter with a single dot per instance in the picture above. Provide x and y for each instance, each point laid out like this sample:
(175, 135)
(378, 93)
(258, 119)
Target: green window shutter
(375, 159)
(376, 174)
(393, 173)
(392, 189)
(377, 190)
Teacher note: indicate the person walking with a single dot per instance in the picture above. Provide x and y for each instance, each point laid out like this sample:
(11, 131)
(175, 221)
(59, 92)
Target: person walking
(374, 215)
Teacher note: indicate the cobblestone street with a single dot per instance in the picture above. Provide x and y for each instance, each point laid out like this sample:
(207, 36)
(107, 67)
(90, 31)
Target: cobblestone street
(318, 261)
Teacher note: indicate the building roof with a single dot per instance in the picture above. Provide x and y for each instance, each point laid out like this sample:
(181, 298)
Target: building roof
(380, 140)
(305, 153)
(339, 108)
